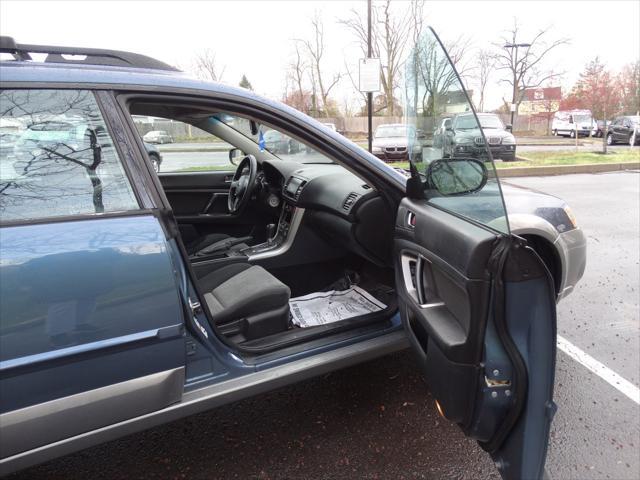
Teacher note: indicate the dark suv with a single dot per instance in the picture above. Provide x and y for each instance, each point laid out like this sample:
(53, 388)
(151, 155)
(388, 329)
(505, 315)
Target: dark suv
(624, 130)
(130, 298)
(461, 136)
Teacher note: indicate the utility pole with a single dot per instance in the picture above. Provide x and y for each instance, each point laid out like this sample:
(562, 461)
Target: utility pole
(515, 77)
(369, 94)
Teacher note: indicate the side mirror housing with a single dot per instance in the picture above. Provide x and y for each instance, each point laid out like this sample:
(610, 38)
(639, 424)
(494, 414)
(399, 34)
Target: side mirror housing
(456, 176)
(235, 155)
(508, 127)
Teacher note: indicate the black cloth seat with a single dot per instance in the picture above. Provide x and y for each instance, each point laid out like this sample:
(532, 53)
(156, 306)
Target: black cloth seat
(241, 291)
(202, 242)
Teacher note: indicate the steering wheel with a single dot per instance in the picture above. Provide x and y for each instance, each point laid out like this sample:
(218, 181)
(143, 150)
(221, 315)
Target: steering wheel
(242, 184)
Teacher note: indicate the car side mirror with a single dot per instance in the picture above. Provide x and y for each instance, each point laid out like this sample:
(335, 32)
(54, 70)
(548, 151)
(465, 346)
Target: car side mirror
(235, 155)
(456, 176)
(508, 127)
(448, 126)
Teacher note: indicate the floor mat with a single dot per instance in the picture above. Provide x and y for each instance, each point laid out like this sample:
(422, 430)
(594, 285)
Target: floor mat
(321, 308)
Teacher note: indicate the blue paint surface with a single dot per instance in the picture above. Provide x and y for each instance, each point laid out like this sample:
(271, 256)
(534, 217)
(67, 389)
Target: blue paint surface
(71, 283)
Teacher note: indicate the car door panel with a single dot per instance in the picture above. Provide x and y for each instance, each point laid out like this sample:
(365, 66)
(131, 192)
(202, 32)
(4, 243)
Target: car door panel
(94, 319)
(199, 203)
(482, 337)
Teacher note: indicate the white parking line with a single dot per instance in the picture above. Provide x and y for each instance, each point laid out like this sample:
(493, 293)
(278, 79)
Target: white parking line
(612, 378)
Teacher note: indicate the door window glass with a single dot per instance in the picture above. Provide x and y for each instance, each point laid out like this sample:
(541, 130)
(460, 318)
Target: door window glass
(57, 158)
(433, 93)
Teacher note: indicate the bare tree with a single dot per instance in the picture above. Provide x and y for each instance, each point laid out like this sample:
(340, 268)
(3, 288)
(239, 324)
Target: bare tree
(315, 49)
(485, 64)
(206, 66)
(390, 31)
(523, 67)
(296, 73)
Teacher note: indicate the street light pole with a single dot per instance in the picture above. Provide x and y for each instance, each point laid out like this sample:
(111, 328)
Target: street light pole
(515, 77)
(369, 94)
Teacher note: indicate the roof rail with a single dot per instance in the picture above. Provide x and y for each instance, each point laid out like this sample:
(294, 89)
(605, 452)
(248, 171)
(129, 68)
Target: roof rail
(93, 56)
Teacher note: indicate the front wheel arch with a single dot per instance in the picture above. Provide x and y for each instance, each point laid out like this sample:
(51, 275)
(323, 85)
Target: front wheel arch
(549, 256)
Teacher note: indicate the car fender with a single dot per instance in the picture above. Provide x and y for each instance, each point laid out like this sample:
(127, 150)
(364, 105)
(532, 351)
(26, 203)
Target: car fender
(530, 224)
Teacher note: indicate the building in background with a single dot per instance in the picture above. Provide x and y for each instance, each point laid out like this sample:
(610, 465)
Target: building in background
(540, 100)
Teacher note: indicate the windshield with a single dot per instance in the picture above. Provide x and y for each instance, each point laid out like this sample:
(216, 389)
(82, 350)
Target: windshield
(635, 120)
(581, 118)
(490, 121)
(385, 131)
(277, 143)
(465, 122)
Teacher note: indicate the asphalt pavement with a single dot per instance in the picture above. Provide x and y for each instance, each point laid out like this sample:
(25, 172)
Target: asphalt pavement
(377, 420)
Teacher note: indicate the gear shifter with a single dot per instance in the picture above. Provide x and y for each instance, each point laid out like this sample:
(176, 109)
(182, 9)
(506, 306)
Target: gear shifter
(271, 232)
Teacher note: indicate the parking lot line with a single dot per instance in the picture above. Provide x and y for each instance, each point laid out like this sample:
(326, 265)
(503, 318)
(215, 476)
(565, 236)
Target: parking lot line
(612, 378)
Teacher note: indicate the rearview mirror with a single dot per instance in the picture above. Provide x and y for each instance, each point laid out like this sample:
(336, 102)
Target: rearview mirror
(456, 176)
(235, 155)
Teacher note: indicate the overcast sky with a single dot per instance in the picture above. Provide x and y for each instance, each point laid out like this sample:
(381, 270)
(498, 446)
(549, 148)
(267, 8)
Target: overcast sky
(255, 37)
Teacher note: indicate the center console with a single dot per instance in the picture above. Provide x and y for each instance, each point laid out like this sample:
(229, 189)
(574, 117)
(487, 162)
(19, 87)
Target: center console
(290, 218)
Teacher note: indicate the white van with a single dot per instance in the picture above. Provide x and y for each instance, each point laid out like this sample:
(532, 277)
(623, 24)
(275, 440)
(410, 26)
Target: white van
(566, 123)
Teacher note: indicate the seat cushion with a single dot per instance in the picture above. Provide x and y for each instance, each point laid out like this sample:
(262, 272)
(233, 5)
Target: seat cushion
(242, 290)
(205, 241)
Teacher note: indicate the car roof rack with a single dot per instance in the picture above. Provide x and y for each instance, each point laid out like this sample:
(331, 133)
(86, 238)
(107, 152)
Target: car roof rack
(93, 56)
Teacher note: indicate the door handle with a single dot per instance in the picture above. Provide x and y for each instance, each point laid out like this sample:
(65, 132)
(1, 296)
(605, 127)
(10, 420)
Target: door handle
(228, 179)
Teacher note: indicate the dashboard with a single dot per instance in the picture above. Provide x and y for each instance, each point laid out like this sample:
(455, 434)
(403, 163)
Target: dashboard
(339, 206)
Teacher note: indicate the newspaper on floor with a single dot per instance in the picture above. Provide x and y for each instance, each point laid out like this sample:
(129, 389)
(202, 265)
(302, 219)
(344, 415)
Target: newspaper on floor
(321, 308)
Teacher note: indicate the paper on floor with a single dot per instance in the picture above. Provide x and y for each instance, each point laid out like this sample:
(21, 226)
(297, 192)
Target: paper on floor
(327, 307)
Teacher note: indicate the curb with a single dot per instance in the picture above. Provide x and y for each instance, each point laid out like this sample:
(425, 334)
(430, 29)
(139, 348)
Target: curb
(548, 170)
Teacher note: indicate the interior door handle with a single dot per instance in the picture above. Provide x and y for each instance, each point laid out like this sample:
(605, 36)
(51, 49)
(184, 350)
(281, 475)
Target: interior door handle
(416, 270)
(228, 179)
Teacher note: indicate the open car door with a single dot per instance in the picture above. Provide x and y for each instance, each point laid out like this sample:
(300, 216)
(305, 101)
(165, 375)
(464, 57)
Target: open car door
(478, 304)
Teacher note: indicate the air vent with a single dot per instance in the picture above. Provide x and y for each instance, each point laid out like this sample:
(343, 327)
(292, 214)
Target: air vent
(350, 201)
(366, 187)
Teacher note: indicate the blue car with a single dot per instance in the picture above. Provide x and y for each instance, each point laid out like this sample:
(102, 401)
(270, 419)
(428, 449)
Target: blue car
(131, 298)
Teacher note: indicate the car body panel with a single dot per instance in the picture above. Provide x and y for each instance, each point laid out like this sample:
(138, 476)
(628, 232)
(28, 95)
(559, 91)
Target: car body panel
(86, 304)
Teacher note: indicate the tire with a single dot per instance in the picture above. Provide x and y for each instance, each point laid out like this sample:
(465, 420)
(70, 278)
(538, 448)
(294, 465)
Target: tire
(510, 158)
(610, 139)
(155, 163)
(555, 133)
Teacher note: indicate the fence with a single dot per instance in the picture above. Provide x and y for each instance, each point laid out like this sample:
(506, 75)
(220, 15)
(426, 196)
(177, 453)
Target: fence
(355, 126)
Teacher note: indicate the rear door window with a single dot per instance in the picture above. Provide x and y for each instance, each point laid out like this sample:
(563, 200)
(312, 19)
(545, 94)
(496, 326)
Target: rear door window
(57, 157)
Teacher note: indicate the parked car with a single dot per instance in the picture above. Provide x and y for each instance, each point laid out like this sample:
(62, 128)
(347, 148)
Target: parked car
(154, 156)
(566, 123)
(277, 142)
(396, 142)
(461, 136)
(600, 125)
(157, 136)
(135, 298)
(624, 130)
